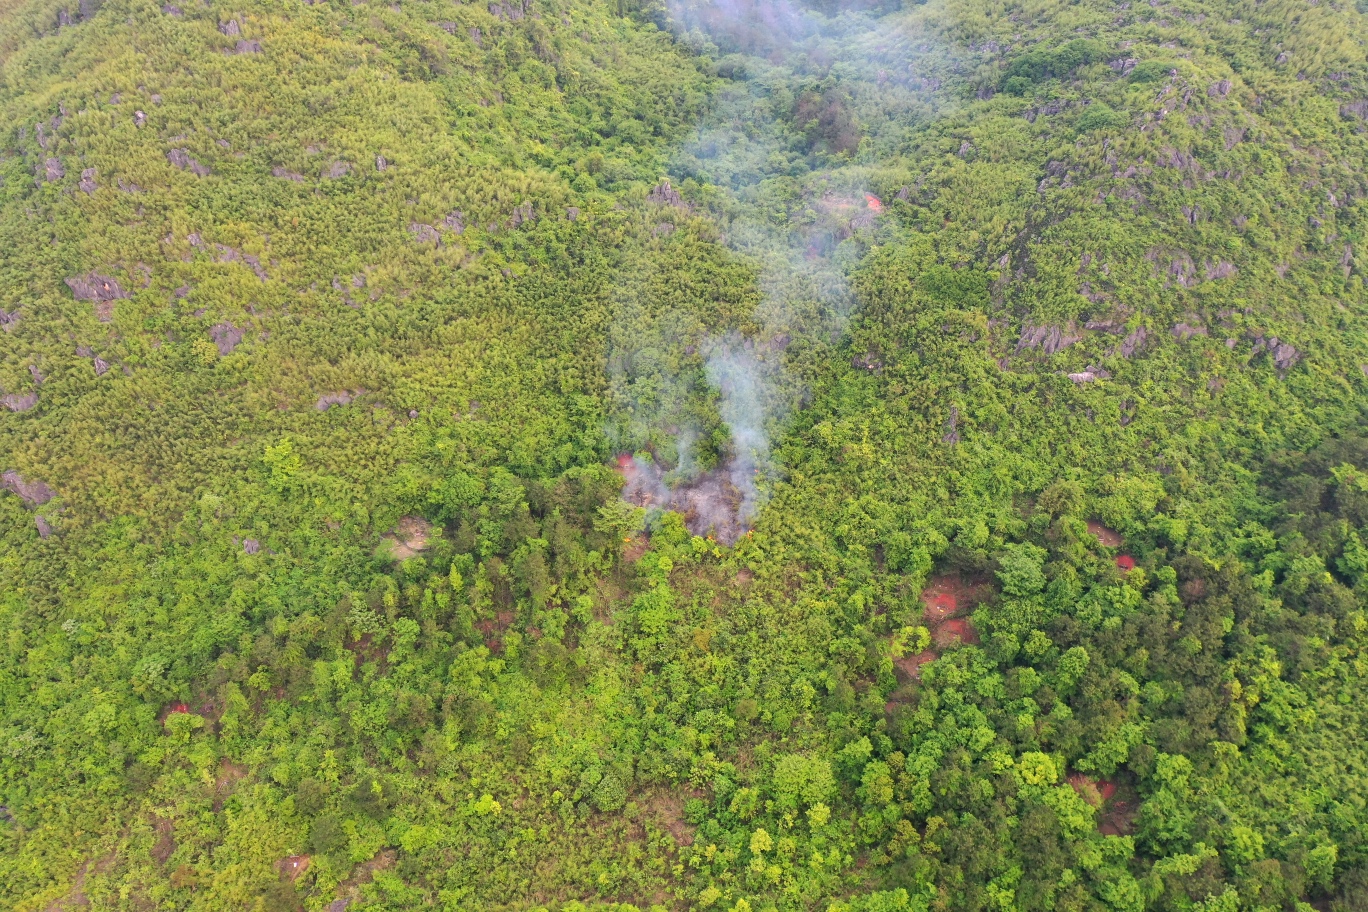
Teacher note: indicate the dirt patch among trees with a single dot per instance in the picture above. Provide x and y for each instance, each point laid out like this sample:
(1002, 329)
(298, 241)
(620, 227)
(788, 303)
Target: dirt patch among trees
(493, 629)
(947, 600)
(166, 841)
(954, 632)
(349, 890)
(666, 810)
(635, 547)
(910, 666)
(294, 866)
(712, 504)
(949, 595)
(1109, 538)
(408, 538)
(1116, 804)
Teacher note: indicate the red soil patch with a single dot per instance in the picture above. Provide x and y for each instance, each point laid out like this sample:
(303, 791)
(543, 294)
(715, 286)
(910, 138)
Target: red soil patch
(1125, 562)
(939, 606)
(1109, 538)
(945, 601)
(955, 631)
(950, 594)
(295, 865)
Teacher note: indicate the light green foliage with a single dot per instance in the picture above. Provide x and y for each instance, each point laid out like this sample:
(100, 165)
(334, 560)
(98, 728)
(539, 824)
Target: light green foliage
(803, 780)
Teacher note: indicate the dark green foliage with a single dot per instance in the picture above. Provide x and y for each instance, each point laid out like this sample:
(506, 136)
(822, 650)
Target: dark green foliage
(1040, 65)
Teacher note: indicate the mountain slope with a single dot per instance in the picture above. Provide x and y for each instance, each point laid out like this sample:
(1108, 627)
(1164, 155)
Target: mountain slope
(1004, 366)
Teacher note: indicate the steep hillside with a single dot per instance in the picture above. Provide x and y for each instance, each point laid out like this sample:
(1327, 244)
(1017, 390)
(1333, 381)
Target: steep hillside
(721, 456)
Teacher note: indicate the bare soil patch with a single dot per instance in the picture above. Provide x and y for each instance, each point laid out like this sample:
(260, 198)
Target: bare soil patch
(349, 890)
(294, 865)
(1116, 805)
(229, 775)
(954, 632)
(950, 594)
(910, 666)
(1109, 538)
(166, 841)
(408, 538)
(1118, 817)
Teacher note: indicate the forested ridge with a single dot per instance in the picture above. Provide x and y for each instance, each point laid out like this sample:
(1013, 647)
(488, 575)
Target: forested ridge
(739, 455)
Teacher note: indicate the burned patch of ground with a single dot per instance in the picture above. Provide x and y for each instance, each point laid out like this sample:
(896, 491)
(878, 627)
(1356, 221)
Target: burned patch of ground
(349, 890)
(666, 810)
(165, 846)
(635, 547)
(1116, 803)
(492, 630)
(229, 775)
(408, 538)
(712, 504)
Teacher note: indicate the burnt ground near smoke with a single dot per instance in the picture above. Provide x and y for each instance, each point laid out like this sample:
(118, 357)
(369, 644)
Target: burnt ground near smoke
(711, 504)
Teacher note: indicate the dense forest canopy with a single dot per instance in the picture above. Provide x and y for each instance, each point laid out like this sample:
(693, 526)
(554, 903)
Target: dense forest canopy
(726, 455)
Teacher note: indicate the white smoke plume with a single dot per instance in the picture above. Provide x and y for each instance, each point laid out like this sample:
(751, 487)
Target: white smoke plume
(807, 95)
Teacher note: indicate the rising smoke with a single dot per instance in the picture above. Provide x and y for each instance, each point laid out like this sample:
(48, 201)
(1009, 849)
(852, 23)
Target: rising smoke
(809, 99)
